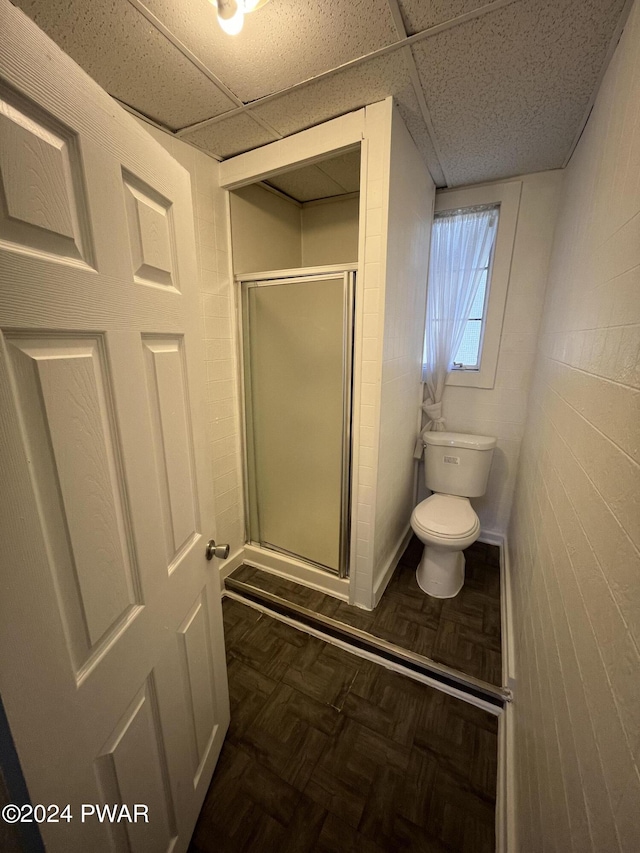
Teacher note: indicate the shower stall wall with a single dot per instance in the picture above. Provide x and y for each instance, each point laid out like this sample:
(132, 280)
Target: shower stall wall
(297, 353)
(395, 207)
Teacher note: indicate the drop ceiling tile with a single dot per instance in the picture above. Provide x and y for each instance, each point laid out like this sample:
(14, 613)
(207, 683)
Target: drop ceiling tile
(283, 43)
(418, 15)
(411, 113)
(306, 184)
(507, 92)
(344, 169)
(349, 90)
(230, 136)
(129, 58)
(337, 94)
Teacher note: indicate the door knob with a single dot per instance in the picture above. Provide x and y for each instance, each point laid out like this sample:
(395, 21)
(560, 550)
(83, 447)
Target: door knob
(219, 551)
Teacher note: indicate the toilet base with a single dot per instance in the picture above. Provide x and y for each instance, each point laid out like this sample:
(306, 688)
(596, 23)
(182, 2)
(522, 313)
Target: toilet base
(440, 573)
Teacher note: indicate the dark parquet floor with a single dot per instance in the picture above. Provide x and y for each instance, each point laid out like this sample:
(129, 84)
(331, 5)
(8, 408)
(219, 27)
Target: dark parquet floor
(461, 632)
(331, 753)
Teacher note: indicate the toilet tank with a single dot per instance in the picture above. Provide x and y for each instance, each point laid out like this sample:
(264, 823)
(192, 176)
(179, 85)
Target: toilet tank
(456, 463)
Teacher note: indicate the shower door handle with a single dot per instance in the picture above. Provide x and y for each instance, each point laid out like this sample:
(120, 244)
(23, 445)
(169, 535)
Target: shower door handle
(213, 550)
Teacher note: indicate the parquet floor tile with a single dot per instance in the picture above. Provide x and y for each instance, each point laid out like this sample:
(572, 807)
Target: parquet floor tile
(461, 632)
(329, 753)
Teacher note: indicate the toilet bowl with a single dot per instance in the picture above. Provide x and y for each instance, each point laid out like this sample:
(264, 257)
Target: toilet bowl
(456, 468)
(446, 525)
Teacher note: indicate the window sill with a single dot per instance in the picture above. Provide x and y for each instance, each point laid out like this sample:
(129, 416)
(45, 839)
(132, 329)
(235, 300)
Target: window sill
(483, 378)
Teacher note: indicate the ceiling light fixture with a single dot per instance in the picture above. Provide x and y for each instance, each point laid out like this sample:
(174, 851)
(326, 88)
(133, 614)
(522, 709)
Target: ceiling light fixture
(231, 13)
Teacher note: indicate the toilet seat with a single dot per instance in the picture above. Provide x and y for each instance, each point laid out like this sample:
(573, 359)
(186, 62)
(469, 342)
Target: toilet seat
(445, 517)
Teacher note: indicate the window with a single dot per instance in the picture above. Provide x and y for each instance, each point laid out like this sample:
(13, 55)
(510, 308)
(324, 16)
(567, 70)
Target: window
(478, 353)
(468, 355)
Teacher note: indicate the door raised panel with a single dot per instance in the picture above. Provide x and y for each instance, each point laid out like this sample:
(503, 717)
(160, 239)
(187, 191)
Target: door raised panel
(197, 665)
(132, 769)
(115, 689)
(168, 401)
(63, 396)
(151, 234)
(42, 198)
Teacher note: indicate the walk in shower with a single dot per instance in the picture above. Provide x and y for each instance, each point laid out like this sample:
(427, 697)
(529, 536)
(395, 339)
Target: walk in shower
(297, 332)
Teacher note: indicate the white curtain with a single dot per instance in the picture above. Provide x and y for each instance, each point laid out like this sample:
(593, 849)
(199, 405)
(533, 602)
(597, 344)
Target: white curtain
(461, 245)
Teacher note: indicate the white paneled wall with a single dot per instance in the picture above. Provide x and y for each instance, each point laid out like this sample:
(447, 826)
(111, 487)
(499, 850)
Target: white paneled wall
(223, 422)
(575, 530)
(380, 507)
(369, 320)
(502, 410)
(410, 214)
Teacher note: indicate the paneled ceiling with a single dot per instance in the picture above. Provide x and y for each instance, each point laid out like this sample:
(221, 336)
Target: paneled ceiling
(332, 177)
(487, 89)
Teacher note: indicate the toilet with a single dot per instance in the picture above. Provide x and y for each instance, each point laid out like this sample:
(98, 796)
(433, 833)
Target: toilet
(456, 468)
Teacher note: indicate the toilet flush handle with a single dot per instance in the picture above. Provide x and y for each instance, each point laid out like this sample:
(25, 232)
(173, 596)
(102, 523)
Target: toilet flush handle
(219, 551)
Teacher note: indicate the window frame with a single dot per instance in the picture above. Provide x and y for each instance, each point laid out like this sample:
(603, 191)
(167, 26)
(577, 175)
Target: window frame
(507, 195)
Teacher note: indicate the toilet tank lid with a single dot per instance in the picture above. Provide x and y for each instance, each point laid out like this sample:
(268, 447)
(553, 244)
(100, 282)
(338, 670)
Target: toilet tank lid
(459, 439)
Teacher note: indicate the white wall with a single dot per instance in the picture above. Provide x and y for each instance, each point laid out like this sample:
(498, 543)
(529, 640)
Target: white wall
(408, 230)
(502, 410)
(330, 231)
(270, 232)
(575, 532)
(265, 231)
(223, 421)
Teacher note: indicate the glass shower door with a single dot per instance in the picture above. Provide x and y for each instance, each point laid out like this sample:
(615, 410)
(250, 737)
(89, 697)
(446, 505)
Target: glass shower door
(297, 357)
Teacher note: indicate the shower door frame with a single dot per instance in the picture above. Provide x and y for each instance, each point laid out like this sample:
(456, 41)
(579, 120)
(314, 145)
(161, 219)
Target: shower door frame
(270, 278)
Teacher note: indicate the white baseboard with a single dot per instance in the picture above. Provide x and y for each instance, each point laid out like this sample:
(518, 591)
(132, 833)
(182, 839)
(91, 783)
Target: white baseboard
(381, 584)
(296, 571)
(506, 619)
(506, 826)
(490, 537)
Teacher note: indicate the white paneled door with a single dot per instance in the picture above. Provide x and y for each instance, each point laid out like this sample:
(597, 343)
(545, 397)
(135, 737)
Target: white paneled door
(112, 654)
